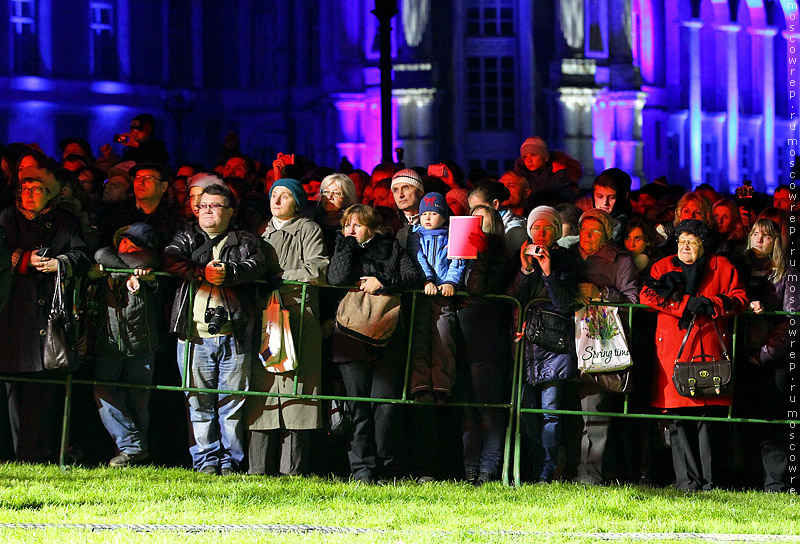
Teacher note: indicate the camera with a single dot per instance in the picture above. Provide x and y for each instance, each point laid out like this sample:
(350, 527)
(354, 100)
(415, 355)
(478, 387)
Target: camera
(216, 318)
(746, 191)
(121, 138)
(436, 170)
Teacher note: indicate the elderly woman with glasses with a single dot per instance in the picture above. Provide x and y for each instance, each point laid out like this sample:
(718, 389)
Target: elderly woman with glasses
(42, 236)
(336, 193)
(692, 286)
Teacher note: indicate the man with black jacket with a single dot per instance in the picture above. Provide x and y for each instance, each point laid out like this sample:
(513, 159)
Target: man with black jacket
(220, 263)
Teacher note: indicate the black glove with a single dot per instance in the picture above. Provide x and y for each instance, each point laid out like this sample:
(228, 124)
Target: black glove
(700, 306)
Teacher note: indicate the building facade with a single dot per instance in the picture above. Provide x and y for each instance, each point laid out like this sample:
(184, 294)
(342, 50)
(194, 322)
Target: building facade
(696, 90)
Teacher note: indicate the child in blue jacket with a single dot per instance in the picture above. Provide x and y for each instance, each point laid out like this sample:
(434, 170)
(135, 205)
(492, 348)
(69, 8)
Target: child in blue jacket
(433, 367)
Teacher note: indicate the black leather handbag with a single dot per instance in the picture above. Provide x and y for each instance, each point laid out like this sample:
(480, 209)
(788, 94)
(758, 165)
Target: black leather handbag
(549, 330)
(702, 376)
(59, 351)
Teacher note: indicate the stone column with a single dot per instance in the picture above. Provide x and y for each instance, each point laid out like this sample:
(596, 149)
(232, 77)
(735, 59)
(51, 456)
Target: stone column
(695, 104)
(767, 79)
(731, 44)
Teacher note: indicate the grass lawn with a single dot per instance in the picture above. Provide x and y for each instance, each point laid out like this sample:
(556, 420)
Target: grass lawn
(408, 512)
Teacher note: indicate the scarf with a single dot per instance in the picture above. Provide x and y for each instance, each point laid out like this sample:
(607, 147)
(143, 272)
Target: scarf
(672, 286)
(29, 215)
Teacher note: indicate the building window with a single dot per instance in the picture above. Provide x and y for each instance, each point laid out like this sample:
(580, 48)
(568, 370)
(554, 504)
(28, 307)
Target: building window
(491, 94)
(103, 42)
(24, 41)
(490, 18)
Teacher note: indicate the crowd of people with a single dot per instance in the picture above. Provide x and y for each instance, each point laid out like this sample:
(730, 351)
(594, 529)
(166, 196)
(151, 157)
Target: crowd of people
(234, 235)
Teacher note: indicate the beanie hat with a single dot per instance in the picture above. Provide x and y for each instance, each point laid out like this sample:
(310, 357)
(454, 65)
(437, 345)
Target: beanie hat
(603, 217)
(409, 177)
(121, 169)
(692, 226)
(141, 234)
(43, 176)
(536, 146)
(548, 214)
(434, 202)
(203, 180)
(297, 190)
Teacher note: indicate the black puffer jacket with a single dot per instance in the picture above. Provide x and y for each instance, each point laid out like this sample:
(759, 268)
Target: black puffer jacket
(245, 261)
(381, 257)
(128, 324)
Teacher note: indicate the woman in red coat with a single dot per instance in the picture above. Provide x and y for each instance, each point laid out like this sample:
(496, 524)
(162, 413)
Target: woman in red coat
(705, 287)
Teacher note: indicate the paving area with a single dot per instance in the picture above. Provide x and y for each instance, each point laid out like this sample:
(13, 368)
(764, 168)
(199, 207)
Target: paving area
(534, 535)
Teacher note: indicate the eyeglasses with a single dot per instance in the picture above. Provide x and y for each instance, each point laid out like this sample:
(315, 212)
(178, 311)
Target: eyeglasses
(547, 229)
(594, 232)
(147, 179)
(693, 243)
(332, 194)
(213, 206)
(32, 191)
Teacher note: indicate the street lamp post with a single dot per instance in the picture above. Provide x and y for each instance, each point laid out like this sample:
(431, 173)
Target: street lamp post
(384, 11)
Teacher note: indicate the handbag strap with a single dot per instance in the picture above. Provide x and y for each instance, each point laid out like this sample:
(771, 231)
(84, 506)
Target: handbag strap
(58, 305)
(686, 337)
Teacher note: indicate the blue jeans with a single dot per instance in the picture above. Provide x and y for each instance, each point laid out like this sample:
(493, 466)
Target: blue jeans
(543, 432)
(216, 418)
(124, 410)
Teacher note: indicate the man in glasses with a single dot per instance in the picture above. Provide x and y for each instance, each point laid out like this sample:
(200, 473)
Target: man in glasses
(221, 263)
(148, 205)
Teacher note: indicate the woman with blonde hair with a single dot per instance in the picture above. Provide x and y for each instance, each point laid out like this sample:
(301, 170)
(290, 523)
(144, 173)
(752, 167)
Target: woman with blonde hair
(771, 284)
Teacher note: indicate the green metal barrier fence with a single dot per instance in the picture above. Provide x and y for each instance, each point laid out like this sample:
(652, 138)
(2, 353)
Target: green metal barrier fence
(512, 447)
(625, 413)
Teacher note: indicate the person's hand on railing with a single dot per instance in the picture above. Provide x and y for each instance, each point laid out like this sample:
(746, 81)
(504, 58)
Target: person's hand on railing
(588, 292)
(370, 284)
(757, 307)
(430, 288)
(144, 274)
(447, 290)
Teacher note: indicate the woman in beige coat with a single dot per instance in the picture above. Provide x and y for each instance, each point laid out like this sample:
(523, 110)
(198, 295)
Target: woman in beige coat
(280, 427)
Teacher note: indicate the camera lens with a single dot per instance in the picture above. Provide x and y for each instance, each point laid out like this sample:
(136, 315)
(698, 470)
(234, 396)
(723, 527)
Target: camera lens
(216, 319)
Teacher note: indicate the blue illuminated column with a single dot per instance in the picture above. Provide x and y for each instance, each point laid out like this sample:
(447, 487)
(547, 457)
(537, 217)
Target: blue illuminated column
(767, 65)
(792, 46)
(695, 105)
(730, 32)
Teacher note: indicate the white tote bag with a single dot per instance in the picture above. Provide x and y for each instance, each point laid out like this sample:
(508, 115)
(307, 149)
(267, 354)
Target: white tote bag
(277, 345)
(599, 340)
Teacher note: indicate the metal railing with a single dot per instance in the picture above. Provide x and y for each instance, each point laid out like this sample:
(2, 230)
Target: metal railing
(513, 440)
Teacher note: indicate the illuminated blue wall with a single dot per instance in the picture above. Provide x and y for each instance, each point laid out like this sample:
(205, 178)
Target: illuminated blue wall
(697, 90)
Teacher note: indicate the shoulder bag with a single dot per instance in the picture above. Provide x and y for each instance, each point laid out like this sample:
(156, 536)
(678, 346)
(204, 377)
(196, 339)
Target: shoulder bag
(701, 378)
(59, 352)
(548, 330)
(369, 318)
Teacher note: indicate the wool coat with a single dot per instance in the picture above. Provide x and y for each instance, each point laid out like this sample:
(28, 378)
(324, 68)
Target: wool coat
(301, 257)
(24, 318)
(720, 284)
